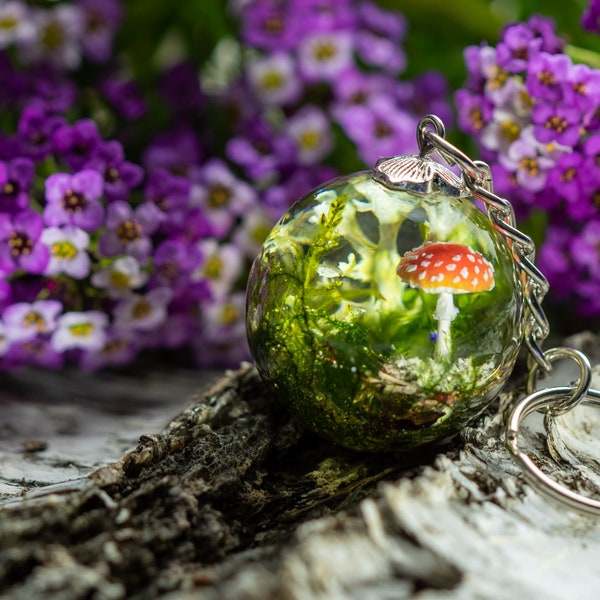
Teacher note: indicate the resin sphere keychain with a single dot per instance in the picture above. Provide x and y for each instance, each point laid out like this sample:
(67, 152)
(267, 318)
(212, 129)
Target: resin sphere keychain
(386, 310)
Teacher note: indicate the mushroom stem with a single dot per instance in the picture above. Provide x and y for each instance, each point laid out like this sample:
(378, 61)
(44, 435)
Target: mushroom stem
(445, 313)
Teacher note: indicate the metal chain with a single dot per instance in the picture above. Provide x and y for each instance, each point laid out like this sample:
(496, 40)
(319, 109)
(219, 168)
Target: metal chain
(477, 177)
(477, 180)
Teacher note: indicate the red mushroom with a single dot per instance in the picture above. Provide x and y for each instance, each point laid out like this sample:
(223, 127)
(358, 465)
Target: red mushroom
(446, 268)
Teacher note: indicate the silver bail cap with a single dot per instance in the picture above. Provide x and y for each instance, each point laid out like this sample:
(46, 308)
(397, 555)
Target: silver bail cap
(418, 173)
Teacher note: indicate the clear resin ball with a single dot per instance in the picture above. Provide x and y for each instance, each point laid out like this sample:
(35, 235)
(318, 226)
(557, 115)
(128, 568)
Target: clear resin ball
(384, 319)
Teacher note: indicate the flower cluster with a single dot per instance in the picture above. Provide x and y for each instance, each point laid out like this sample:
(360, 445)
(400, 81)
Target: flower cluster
(107, 251)
(535, 114)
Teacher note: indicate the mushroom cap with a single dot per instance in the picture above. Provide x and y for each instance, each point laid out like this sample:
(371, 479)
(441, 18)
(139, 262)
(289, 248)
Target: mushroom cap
(446, 267)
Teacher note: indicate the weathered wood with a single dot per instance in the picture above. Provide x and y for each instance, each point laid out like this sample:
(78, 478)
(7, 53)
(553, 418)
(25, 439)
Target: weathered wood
(235, 500)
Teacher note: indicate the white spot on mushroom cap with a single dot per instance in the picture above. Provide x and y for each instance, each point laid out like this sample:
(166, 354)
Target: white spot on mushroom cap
(411, 268)
(464, 273)
(425, 263)
(450, 267)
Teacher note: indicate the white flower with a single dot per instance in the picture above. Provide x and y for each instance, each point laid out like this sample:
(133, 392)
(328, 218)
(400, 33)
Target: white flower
(273, 78)
(221, 266)
(67, 251)
(143, 312)
(253, 231)
(86, 330)
(15, 24)
(224, 320)
(311, 131)
(4, 340)
(121, 277)
(324, 55)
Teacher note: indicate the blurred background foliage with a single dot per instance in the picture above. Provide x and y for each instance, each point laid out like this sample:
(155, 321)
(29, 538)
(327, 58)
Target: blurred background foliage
(156, 33)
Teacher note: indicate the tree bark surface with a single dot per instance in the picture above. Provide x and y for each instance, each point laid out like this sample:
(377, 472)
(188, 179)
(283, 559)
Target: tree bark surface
(234, 499)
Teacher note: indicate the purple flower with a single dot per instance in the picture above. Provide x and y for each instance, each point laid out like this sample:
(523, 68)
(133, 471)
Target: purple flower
(267, 25)
(16, 178)
(583, 88)
(120, 176)
(325, 55)
(591, 151)
(473, 56)
(51, 90)
(36, 352)
(177, 150)
(517, 48)
(74, 200)
(555, 263)
(180, 85)
(506, 184)
(6, 293)
(125, 96)
(120, 277)
(77, 143)
(174, 261)
(498, 84)
(179, 329)
(100, 22)
(545, 29)
(20, 246)
(68, 254)
(85, 330)
(530, 167)
(380, 52)
(378, 39)
(311, 131)
(584, 248)
(546, 75)
(261, 151)
(556, 123)
(584, 205)
(120, 348)
(428, 94)
(274, 79)
(143, 312)
(357, 87)
(565, 176)
(222, 196)
(588, 293)
(129, 231)
(389, 24)
(590, 19)
(323, 15)
(35, 132)
(25, 321)
(171, 195)
(380, 129)
(474, 111)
